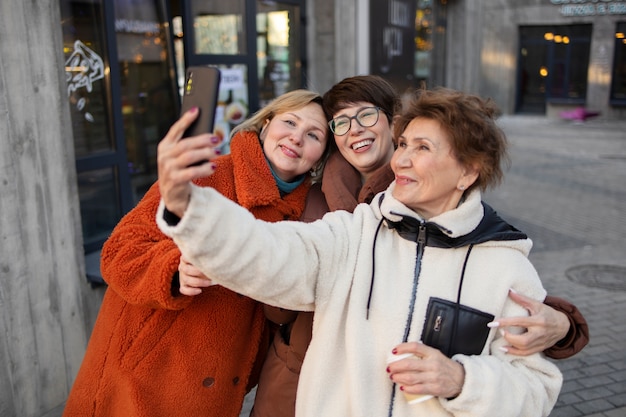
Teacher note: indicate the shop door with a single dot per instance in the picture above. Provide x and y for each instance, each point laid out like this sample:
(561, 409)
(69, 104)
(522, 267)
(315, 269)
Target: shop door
(552, 66)
(259, 47)
(123, 99)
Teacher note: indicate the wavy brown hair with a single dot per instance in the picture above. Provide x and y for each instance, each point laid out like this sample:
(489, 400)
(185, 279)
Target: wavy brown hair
(470, 122)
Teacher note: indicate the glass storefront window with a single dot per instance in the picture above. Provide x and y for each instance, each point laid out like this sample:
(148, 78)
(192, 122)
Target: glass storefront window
(568, 46)
(122, 100)
(278, 49)
(618, 83)
(553, 65)
(147, 89)
(99, 202)
(219, 27)
(86, 64)
(87, 76)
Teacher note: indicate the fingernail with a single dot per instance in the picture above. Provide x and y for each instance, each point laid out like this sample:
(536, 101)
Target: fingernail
(503, 332)
(512, 290)
(194, 109)
(388, 370)
(503, 349)
(394, 351)
(215, 139)
(401, 388)
(213, 167)
(217, 151)
(493, 324)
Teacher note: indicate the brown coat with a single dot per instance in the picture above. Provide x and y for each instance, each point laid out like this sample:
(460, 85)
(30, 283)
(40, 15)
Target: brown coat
(342, 190)
(276, 393)
(154, 352)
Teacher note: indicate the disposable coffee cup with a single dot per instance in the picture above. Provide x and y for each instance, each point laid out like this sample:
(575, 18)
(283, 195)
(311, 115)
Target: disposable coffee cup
(410, 398)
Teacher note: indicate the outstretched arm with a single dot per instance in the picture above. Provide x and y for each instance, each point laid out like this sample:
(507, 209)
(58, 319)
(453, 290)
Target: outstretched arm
(555, 327)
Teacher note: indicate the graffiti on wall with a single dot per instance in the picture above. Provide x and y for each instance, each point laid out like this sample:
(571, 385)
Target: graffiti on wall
(82, 69)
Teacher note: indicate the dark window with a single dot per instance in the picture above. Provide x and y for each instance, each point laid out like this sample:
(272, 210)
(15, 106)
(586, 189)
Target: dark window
(123, 99)
(618, 84)
(553, 66)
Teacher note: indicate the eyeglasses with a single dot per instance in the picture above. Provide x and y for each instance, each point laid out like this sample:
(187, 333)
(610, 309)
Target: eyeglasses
(366, 117)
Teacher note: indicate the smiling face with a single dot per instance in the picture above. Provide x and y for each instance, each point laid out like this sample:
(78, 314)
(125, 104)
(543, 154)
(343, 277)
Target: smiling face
(294, 141)
(365, 148)
(429, 178)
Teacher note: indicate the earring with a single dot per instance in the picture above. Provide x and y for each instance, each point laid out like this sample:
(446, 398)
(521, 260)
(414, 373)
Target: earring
(461, 187)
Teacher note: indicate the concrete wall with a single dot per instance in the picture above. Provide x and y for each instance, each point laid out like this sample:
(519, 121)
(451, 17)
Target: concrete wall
(42, 284)
(320, 44)
(333, 52)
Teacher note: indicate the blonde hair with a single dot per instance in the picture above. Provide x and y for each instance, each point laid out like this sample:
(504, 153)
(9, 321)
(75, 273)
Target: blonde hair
(292, 100)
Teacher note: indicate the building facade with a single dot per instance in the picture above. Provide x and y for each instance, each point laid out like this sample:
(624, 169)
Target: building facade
(88, 88)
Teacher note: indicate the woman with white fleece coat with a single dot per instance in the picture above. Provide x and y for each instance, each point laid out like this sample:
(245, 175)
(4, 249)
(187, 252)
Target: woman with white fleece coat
(379, 279)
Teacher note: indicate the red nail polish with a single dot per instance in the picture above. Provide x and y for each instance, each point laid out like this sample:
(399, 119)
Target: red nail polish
(215, 139)
(213, 167)
(401, 388)
(388, 370)
(217, 152)
(394, 351)
(194, 109)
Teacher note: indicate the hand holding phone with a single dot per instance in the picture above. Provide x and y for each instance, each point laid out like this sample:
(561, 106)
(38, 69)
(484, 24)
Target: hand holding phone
(201, 90)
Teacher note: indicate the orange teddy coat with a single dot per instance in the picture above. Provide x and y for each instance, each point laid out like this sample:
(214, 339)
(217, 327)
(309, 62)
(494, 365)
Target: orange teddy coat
(154, 352)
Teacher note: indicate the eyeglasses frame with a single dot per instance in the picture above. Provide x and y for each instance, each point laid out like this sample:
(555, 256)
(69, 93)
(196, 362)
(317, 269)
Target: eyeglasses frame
(355, 117)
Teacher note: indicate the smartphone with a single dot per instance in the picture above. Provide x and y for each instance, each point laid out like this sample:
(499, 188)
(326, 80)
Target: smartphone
(201, 90)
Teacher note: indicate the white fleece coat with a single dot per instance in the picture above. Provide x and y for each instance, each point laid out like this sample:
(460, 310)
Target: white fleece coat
(326, 266)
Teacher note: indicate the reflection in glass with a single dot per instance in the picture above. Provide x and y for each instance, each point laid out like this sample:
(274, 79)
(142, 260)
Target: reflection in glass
(86, 66)
(219, 27)
(148, 93)
(430, 35)
(551, 69)
(278, 49)
(113, 170)
(99, 203)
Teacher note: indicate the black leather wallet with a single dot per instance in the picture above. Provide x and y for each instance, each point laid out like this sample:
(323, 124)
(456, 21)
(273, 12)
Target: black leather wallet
(455, 328)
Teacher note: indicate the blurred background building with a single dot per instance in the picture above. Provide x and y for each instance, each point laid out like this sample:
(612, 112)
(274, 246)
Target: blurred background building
(89, 87)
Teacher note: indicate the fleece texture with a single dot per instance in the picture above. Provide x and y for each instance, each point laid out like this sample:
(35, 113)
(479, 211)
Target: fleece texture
(341, 189)
(154, 352)
(326, 266)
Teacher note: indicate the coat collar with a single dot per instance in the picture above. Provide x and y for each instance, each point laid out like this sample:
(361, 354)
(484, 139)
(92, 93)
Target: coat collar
(472, 222)
(254, 184)
(454, 223)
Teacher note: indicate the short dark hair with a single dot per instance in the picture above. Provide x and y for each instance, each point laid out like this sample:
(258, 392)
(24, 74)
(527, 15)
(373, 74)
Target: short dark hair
(369, 88)
(470, 121)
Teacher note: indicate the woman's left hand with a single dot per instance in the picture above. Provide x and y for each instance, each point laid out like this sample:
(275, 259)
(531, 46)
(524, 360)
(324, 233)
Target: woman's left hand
(544, 327)
(429, 372)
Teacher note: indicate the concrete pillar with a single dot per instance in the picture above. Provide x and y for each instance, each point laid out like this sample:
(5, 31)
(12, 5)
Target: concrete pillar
(42, 282)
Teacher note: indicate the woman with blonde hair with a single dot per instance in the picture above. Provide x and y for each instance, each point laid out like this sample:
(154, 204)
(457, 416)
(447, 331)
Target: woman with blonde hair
(156, 351)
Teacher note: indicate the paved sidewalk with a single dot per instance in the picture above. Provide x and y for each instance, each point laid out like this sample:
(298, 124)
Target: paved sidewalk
(567, 190)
